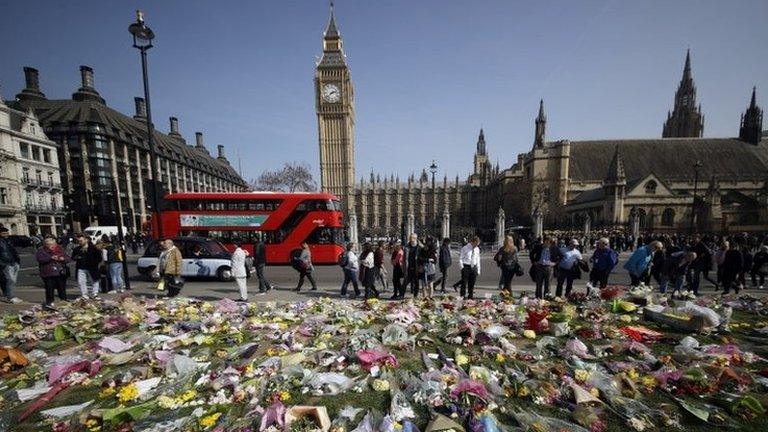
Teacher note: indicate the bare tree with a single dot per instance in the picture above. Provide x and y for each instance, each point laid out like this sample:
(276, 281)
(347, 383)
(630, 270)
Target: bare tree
(293, 177)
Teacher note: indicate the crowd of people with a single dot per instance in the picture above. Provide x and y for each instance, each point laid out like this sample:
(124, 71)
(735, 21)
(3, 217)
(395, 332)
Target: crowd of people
(675, 262)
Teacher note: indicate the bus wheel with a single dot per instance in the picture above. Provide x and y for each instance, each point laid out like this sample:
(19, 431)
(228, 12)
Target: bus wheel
(224, 274)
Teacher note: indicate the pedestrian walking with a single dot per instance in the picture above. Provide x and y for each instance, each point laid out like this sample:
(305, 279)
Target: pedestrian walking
(169, 265)
(639, 263)
(114, 257)
(398, 272)
(603, 260)
(239, 271)
(260, 263)
(469, 259)
(88, 259)
(733, 264)
(350, 265)
(702, 264)
(760, 267)
(52, 261)
(444, 261)
(378, 265)
(303, 264)
(428, 261)
(412, 253)
(367, 274)
(506, 260)
(568, 267)
(544, 257)
(9, 267)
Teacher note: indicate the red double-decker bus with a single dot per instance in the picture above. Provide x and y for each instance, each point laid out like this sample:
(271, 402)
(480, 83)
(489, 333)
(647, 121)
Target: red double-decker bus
(282, 220)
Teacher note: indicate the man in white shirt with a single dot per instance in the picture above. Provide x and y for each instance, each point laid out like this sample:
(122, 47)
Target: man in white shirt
(470, 267)
(568, 267)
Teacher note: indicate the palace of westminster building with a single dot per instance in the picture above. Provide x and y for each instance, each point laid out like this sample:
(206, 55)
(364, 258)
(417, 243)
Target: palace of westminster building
(720, 183)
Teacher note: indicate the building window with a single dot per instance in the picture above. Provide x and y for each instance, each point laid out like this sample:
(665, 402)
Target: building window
(50, 179)
(3, 196)
(24, 150)
(650, 187)
(47, 155)
(25, 175)
(36, 153)
(668, 217)
(32, 129)
(39, 176)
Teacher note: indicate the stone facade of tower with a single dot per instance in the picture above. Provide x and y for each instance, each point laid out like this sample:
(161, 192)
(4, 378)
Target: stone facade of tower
(335, 104)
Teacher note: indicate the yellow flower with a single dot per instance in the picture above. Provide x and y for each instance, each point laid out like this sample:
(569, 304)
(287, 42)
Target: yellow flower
(595, 392)
(500, 358)
(188, 395)
(649, 381)
(166, 402)
(380, 385)
(632, 374)
(128, 393)
(285, 396)
(530, 334)
(581, 375)
(107, 392)
(210, 420)
(523, 391)
(461, 359)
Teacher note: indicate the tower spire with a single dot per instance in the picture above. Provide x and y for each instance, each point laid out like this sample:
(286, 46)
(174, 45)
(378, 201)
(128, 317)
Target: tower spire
(616, 173)
(481, 143)
(541, 126)
(686, 119)
(751, 128)
(331, 32)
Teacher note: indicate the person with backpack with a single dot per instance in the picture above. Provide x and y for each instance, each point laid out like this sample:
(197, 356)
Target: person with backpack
(603, 260)
(113, 256)
(303, 264)
(350, 265)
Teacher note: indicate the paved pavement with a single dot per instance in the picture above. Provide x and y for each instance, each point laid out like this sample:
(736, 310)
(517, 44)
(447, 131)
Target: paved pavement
(29, 287)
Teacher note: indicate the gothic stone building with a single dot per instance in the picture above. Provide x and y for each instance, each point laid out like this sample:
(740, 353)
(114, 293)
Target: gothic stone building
(98, 145)
(567, 181)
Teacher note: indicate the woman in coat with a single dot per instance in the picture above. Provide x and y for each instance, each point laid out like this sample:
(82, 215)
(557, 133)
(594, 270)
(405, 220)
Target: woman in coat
(53, 270)
(239, 271)
(398, 271)
(733, 264)
(170, 268)
(305, 268)
(506, 259)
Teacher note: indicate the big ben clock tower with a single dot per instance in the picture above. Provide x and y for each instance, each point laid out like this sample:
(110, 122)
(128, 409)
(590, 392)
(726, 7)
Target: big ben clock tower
(335, 102)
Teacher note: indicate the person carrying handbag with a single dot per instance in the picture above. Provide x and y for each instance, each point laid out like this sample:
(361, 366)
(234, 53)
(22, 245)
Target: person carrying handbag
(506, 259)
(170, 268)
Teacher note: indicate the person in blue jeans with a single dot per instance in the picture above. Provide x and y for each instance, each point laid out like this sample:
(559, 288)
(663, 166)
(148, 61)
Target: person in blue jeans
(351, 267)
(603, 260)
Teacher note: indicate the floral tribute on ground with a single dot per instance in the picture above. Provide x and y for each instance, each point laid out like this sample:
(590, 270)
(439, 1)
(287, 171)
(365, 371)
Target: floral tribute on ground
(625, 361)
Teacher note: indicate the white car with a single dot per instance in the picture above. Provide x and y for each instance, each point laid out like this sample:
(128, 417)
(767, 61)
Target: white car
(201, 258)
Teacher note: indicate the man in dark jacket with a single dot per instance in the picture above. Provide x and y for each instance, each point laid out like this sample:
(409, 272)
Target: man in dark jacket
(87, 259)
(444, 262)
(544, 258)
(760, 267)
(733, 264)
(259, 262)
(676, 267)
(9, 266)
(702, 264)
(413, 250)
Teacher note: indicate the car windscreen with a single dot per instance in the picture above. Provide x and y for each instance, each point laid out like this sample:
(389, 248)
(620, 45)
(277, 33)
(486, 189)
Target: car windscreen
(216, 248)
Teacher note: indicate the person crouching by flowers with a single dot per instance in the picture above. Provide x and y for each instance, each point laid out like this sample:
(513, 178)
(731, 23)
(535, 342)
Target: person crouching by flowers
(53, 270)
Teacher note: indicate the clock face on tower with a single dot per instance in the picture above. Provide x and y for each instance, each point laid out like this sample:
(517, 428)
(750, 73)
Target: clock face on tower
(331, 93)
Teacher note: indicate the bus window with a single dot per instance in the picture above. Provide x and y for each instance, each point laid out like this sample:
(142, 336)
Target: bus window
(326, 236)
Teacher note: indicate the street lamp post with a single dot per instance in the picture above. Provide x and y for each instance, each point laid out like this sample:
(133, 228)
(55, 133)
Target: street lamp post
(142, 40)
(433, 170)
(696, 168)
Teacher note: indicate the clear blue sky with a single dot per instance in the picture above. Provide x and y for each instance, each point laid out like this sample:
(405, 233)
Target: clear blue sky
(427, 74)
